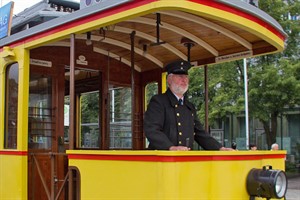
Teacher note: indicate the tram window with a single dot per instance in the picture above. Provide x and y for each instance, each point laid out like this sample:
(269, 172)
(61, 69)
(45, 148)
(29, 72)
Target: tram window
(89, 136)
(66, 119)
(11, 106)
(40, 112)
(151, 89)
(120, 118)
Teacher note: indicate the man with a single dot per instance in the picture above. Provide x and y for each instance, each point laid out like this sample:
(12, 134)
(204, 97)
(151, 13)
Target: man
(252, 147)
(171, 121)
(274, 147)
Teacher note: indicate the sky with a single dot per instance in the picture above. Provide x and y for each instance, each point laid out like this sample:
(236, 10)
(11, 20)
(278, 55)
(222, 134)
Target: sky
(21, 5)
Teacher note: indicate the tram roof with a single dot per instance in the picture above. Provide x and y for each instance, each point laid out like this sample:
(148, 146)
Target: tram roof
(216, 31)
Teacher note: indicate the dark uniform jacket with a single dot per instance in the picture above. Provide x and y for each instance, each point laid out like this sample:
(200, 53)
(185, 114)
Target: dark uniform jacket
(166, 124)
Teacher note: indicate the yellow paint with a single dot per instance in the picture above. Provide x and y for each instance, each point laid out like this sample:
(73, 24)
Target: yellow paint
(224, 16)
(164, 84)
(135, 180)
(183, 5)
(13, 168)
(22, 56)
(13, 181)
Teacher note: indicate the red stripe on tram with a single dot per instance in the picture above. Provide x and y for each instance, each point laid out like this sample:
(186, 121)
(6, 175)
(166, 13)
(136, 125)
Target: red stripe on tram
(14, 153)
(238, 12)
(80, 21)
(185, 158)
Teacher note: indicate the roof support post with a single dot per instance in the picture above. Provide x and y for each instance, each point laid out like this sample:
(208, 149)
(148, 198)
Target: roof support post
(132, 37)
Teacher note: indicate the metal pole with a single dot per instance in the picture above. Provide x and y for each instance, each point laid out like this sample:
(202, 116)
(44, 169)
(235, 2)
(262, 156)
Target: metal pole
(72, 93)
(246, 103)
(72, 108)
(206, 98)
(132, 37)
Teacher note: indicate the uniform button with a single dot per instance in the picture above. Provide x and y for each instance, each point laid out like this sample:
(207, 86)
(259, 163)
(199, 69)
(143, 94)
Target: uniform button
(180, 133)
(194, 133)
(176, 106)
(192, 114)
(179, 142)
(178, 114)
(179, 124)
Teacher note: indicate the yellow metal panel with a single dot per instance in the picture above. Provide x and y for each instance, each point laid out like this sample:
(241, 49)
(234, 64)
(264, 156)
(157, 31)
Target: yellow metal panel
(13, 173)
(195, 8)
(22, 56)
(164, 82)
(168, 175)
(13, 164)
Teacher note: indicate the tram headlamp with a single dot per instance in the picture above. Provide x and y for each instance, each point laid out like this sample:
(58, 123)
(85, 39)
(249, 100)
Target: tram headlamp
(266, 183)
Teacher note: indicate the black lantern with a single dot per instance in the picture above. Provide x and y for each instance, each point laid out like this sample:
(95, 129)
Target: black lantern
(266, 183)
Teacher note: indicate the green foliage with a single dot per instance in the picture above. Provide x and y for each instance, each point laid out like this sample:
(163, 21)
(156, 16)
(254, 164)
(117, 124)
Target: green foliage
(225, 90)
(273, 80)
(89, 107)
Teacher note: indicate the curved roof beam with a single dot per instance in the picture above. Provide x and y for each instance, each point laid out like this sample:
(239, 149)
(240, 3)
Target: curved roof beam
(115, 56)
(125, 46)
(153, 39)
(216, 27)
(101, 51)
(180, 31)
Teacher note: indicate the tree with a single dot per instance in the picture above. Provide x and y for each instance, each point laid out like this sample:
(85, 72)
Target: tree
(226, 87)
(273, 79)
(271, 90)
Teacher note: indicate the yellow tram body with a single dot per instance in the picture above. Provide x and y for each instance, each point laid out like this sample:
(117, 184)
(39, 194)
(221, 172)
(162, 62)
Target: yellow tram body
(106, 174)
(169, 175)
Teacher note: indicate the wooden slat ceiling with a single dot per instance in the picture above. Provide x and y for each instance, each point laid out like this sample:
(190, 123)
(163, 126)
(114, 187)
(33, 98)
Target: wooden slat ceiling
(209, 38)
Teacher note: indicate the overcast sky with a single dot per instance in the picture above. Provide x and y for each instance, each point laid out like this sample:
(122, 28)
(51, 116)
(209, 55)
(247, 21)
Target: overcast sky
(21, 5)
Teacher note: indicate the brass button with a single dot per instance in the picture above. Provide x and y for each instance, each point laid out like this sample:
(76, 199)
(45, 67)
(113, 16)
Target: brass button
(179, 124)
(179, 142)
(176, 106)
(178, 114)
(180, 133)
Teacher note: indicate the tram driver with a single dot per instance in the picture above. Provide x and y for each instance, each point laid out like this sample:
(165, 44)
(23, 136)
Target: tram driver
(171, 122)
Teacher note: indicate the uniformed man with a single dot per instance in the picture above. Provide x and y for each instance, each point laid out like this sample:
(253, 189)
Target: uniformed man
(171, 122)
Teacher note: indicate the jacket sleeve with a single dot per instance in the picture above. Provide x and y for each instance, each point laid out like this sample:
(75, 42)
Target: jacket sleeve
(205, 140)
(154, 125)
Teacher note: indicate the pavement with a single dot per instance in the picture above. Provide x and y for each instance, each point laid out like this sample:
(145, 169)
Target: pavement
(293, 191)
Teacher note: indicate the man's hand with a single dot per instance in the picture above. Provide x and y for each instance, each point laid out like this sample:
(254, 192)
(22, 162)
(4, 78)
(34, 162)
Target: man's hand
(179, 148)
(226, 149)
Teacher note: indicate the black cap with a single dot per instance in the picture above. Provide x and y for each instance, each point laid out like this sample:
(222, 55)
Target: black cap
(178, 67)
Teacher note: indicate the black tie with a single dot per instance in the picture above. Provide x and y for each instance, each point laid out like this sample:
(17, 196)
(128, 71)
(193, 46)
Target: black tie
(180, 102)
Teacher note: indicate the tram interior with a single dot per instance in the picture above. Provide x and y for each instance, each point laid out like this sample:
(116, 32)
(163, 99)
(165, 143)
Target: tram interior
(117, 68)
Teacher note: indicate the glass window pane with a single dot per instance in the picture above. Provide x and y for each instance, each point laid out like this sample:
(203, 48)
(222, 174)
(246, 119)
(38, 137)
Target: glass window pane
(11, 106)
(40, 113)
(151, 89)
(120, 118)
(89, 117)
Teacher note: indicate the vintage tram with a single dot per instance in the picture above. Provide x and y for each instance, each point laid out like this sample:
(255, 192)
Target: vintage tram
(48, 148)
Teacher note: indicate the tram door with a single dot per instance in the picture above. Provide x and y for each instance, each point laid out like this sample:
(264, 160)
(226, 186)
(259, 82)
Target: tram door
(47, 162)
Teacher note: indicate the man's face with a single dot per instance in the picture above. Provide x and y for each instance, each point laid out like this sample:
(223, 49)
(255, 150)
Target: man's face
(178, 83)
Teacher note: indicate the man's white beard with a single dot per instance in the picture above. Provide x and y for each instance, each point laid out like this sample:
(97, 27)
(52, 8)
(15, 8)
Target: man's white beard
(179, 89)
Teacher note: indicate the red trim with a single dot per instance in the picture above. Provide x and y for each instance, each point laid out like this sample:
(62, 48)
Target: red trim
(14, 153)
(157, 158)
(220, 6)
(137, 3)
(105, 13)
